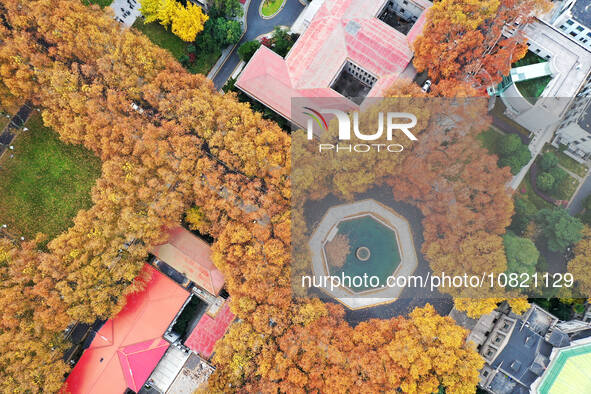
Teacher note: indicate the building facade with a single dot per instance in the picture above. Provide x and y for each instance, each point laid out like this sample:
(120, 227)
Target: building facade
(574, 133)
(567, 64)
(573, 19)
(520, 350)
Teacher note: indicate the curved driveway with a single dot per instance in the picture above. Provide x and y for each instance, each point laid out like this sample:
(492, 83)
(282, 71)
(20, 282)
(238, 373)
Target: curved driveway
(254, 28)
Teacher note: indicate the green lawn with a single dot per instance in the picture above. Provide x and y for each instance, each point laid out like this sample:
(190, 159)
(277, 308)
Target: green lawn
(490, 140)
(533, 88)
(167, 40)
(102, 3)
(567, 162)
(530, 195)
(46, 183)
(529, 59)
(565, 189)
(270, 7)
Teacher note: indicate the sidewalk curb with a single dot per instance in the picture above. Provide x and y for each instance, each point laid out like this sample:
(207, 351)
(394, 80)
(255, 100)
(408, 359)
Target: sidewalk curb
(274, 14)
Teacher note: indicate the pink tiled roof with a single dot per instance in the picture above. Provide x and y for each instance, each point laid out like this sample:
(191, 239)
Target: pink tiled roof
(191, 256)
(209, 330)
(341, 30)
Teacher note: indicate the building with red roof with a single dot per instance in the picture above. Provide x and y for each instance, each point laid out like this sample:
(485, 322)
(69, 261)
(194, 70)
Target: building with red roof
(191, 256)
(209, 330)
(128, 347)
(370, 40)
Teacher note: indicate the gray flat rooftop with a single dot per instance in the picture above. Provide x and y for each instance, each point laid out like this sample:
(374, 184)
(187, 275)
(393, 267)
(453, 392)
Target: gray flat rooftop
(582, 12)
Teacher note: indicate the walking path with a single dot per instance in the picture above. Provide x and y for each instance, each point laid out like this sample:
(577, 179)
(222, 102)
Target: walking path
(12, 128)
(535, 147)
(569, 172)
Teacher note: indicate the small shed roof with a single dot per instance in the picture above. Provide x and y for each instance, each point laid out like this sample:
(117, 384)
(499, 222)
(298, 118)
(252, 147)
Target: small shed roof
(191, 256)
(209, 330)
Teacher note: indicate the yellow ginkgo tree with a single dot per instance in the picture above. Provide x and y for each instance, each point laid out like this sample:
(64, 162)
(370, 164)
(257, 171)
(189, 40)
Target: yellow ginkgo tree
(186, 22)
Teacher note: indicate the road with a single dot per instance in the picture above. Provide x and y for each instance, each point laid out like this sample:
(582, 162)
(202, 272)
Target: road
(576, 204)
(255, 27)
(17, 121)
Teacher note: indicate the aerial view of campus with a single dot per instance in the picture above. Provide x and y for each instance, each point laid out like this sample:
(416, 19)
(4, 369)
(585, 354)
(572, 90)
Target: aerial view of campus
(295, 196)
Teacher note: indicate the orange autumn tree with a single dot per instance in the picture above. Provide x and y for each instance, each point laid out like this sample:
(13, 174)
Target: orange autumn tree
(31, 321)
(321, 353)
(579, 266)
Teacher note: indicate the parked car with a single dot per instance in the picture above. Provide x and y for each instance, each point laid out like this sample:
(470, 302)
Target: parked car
(426, 86)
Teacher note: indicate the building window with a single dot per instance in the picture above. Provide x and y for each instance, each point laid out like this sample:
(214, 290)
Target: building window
(580, 28)
(570, 22)
(573, 33)
(562, 27)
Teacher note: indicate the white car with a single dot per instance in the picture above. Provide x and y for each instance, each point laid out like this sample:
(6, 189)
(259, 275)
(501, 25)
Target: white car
(137, 108)
(426, 86)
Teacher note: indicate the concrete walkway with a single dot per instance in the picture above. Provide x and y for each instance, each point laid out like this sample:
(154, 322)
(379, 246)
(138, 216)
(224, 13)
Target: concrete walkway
(126, 11)
(254, 27)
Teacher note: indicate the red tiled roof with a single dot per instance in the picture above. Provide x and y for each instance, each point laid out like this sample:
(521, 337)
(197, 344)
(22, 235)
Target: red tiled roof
(191, 256)
(341, 30)
(127, 348)
(209, 330)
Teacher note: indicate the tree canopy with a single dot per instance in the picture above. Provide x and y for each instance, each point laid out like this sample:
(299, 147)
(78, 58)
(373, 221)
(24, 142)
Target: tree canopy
(559, 228)
(522, 254)
(186, 21)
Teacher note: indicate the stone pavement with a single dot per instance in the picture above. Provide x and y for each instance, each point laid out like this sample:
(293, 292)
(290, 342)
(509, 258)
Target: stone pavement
(126, 11)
